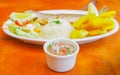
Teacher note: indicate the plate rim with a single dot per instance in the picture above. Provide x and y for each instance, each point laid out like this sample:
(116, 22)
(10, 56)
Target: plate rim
(63, 11)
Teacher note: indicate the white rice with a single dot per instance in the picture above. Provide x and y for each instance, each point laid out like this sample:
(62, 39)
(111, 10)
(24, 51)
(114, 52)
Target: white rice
(52, 30)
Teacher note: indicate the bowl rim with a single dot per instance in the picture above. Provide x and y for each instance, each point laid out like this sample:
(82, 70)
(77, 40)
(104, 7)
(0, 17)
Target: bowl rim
(77, 47)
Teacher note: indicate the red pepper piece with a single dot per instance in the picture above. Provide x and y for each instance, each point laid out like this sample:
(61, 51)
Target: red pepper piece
(18, 23)
(26, 22)
(63, 50)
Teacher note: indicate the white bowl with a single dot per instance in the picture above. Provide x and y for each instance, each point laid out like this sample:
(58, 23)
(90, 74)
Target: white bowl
(41, 41)
(61, 63)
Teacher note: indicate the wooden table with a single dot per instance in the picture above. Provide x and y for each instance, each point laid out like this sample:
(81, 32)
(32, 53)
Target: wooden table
(18, 58)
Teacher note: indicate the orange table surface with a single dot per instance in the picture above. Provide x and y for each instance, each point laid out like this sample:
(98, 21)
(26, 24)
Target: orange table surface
(101, 57)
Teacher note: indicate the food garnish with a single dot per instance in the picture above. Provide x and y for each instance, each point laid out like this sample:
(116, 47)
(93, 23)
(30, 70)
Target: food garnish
(24, 24)
(57, 22)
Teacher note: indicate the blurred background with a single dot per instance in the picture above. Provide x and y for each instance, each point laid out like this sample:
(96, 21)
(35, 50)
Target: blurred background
(22, 5)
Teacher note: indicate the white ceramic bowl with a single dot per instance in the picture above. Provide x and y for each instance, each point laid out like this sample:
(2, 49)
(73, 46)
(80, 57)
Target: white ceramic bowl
(41, 41)
(61, 63)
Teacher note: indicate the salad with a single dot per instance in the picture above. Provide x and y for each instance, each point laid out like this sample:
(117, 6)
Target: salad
(61, 48)
(25, 24)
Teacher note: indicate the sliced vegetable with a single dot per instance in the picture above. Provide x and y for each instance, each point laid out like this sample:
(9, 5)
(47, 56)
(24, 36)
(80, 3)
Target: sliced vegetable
(18, 23)
(22, 17)
(25, 29)
(22, 31)
(26, 22)
(12, 28)
(30, 34)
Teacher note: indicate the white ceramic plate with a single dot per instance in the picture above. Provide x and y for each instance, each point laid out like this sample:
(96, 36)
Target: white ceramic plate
(41, 41)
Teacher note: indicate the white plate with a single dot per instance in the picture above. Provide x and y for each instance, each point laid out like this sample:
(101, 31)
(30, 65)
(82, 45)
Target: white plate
(42, 41)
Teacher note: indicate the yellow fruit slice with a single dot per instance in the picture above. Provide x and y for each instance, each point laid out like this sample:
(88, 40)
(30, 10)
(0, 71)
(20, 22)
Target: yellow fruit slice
(96, 32)
(82, 21)
(78, 34)
(109, 14)
(92, 9)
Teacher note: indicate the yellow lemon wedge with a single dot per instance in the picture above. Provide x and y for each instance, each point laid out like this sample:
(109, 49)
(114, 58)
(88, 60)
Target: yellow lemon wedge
(92, 9)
